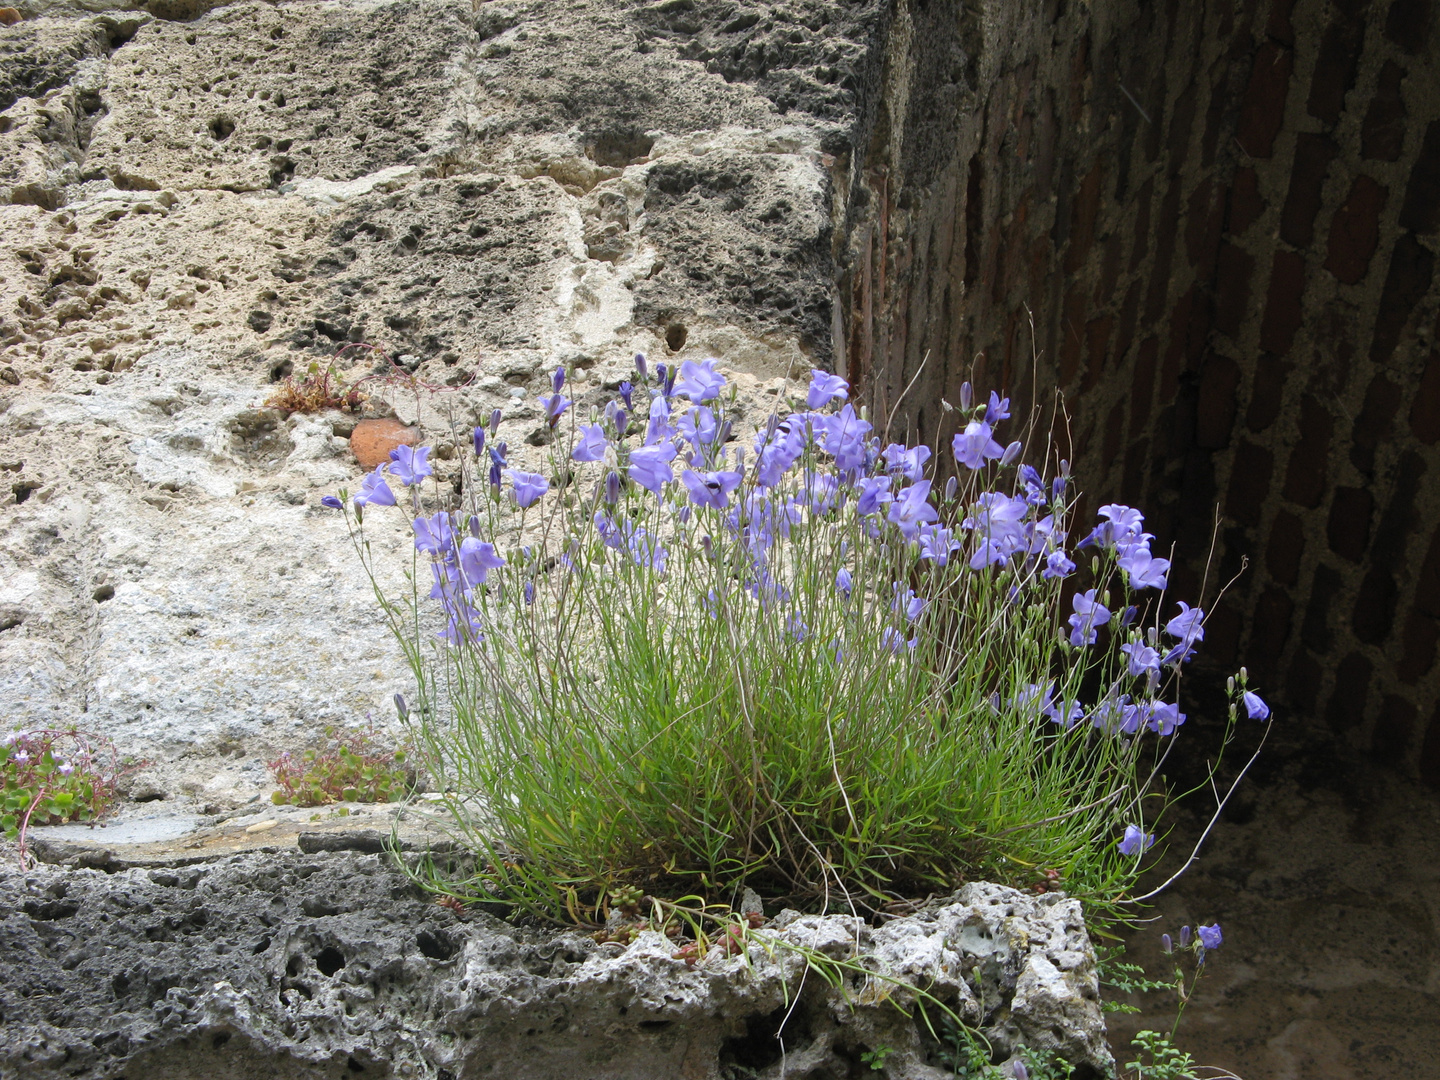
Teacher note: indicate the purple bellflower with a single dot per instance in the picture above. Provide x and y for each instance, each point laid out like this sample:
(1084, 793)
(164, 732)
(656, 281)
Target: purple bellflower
(477, 437)
(1057, 565)
(998, 409)
(433, 534)
(710, 488)
(332, 502)
(700, 382)
(825, 388)
(592, 444)
(1136, 841)
(528, 487)
(1089, 614)
(374, 491)
(410, 465)
(974, 446)
(1255, 708)
(1210, 936)
(909, 462)
(649, 466)
(912, 509)
(658, 429)
(477, 559)
(1188, 626)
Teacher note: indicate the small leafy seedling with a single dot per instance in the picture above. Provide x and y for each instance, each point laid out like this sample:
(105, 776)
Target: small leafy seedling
(353, 766)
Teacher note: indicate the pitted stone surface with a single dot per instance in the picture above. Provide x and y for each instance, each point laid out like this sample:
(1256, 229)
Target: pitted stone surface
(333, 964)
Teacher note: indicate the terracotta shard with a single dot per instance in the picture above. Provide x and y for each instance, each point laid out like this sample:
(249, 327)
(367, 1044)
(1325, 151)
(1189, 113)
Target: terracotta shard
(372, 440)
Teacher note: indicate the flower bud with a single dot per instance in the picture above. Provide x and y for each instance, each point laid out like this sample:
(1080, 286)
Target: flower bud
(332, 502)
(1011, 453)
(612, 487)
(494, 422)
(950, 486)
(1184, 937)
(401, 707)
(625, 391)
(967, 396)
(478, 436)
(640, 366)
(1167, 946)
(557, 381)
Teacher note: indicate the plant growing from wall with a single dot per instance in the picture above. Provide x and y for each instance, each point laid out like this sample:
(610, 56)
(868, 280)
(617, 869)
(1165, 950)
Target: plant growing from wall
(52, 776)
(351, 766)
(798, 664)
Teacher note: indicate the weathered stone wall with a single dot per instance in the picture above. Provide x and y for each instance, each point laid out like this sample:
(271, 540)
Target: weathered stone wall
(1215, 226)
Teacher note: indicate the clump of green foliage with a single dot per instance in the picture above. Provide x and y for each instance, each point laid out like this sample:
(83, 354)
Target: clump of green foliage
(353, 766)
(51, 777)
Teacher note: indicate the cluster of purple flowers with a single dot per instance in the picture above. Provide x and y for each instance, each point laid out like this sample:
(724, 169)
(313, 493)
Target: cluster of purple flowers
(822, 464)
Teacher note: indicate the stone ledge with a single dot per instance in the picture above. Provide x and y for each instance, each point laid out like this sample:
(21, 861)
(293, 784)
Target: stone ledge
(327, 964)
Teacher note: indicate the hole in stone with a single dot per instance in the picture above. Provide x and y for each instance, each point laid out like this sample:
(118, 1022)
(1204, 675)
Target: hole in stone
(435, 946)
(759, 1047)
(654, 1025)
(617, 149)
(260, 946)
(222, 127)
(330, 961)
(280, 368)
(675, 337)
(103, 593)
(354, 1066)
(219, 1039)
(23, 489)
(150, 796)
(292, 968)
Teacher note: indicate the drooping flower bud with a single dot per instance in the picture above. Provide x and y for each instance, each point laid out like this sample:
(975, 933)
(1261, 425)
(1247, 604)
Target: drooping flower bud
(478, 436)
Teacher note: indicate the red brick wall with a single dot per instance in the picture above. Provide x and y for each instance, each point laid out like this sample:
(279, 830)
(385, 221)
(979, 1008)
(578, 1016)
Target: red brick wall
(1224, 219)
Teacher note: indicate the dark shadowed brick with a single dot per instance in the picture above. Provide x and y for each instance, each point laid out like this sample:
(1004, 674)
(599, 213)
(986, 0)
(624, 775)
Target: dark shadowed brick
(1129, 312)
(1421, 210)
(1302, 686)
(1097, 341)
(1430, 752)
(1411, 268)
(1159, 291)
(1233, 268)
(1267, 393)
(1246, 205)
(1425, 409)
(1308, 468)
(1277, 23)
(1335, 66)
(1315, 630)
(1376, 421)
(1249, 483)
(1349, 528)
(1215, 413)
(1114, 427)
(1394, 728)
(1271, 630)
(1263, 109)
(1346, 710)
(1282, 302)
(1142, 385)
(1355, 230)
(1072, 335)
(1143, 198)
(1374, 615)
(1082, 229)
(1408, 24)
(1417, 655)
(1313, 155)
(1222, 635)
(1427, 585)
(1382, 132)
(1285, 546)
(1204, 222)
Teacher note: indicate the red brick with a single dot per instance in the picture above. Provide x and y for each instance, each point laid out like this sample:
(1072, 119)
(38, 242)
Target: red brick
(1427, 585)
(1215, 411)
(372, 440)
(1346, 710)
(1285, 546)
(1158, 295)
(1082, 221)
(1114, 425)
(1305, 476)
(1374, 615)
(1142, 385)
(1302, 686)
(1097, 338)
(1182, 120)
(1418, 642)
(1246, 205)
(1355, 230)
(1349, 527)
(1267, 392)
(974, 217)
(1408, 24)
(1233, 268)
(1421, 210)
(1372, 429)
(1249, 483)
(1394, 728)
(1142, 224)
(1177, 348)
(1278, 25)
(1132, 480)
(1430, 752)
(1313, 155)
(1109, 272)
(1273, 613)
(1425, 411)
(1222, 635)
(1072, 336)
(1382, 132)
(1335, 67)
(1282, 302)
(1412, 267)
(1204, 221)
(1263, 109)
(1129, 312)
